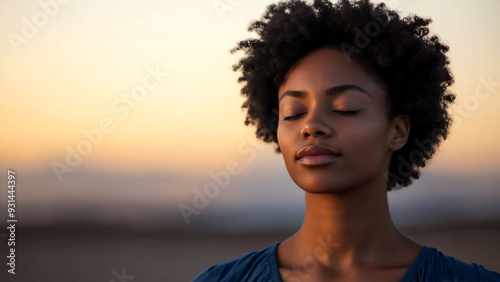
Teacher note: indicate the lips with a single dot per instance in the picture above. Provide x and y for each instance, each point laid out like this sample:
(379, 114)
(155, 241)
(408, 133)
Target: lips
(316, 155)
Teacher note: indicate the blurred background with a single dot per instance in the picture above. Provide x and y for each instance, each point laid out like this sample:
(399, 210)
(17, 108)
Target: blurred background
(122, 122)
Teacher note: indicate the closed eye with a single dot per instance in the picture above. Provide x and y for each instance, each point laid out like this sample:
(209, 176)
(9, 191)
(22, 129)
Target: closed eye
(347, 113)
(293, 117)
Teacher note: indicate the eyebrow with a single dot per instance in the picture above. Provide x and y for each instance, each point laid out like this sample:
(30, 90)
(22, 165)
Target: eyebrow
(329, 92)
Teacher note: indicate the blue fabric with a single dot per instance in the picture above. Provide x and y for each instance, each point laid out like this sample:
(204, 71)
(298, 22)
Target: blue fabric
(429, 266)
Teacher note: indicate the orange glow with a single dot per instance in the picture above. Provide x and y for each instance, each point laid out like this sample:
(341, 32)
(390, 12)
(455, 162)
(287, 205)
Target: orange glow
(67, 77)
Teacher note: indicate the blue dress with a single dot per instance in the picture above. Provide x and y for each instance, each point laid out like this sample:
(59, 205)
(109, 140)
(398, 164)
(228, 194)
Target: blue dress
(430, 265)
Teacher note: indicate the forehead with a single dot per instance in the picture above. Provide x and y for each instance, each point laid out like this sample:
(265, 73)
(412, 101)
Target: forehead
(326, 68)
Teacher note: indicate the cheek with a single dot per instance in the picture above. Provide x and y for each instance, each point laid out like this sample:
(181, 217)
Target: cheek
(279, 135)
(285, 141)
(283, 134)
(366, 139)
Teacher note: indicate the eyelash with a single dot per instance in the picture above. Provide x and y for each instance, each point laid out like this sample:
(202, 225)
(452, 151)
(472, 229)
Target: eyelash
(346, 113)
(292, 117)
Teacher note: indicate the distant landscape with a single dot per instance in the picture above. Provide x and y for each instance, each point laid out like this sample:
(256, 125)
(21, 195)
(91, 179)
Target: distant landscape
(97, 225)
(92, 252)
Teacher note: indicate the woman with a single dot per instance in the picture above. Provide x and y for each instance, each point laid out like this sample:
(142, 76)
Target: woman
(362, 99)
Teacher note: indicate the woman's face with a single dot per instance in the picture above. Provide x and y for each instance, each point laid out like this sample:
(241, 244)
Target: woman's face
(340, 111)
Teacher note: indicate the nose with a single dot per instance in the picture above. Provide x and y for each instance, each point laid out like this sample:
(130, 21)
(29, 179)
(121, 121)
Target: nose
(316, 125)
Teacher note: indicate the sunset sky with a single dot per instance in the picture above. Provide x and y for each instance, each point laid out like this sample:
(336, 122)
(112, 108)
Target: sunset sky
(66, 68)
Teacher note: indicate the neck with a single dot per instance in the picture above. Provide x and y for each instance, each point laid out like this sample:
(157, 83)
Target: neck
(356, 225)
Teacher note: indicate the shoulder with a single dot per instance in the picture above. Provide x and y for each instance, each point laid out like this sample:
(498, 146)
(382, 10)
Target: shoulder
(254, 266)
(432, 265)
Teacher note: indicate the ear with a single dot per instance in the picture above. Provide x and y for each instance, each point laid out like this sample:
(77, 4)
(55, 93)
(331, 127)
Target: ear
(398, 132)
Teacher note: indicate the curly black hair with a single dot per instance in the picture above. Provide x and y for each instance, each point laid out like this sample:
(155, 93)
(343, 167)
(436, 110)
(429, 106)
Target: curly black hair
(412, 65)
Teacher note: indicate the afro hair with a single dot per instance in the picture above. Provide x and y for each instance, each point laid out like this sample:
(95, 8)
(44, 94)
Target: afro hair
(412, 65)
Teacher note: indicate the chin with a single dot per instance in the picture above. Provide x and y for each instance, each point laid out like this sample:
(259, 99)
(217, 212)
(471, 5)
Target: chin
(319, 184)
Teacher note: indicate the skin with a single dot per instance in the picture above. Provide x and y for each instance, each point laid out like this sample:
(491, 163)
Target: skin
(347, 233)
